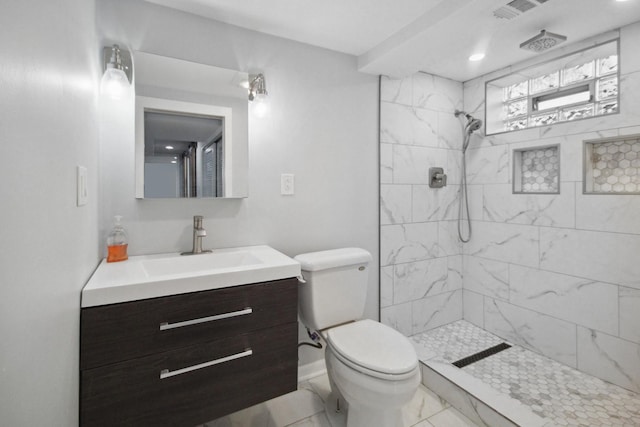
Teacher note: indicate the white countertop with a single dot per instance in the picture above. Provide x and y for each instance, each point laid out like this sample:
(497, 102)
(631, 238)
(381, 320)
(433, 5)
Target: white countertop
(150, 276)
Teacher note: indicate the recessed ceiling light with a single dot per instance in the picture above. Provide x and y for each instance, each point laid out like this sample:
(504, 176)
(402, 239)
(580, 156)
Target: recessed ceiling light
(174, 161)
(621, 0)
(476, 57)
(169, 147)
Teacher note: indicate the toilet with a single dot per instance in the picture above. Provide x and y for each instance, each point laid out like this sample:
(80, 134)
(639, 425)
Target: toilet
(373, 369)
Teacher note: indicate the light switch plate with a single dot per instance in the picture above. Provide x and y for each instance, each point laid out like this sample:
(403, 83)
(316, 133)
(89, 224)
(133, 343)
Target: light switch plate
(81, 186)
(287, 184)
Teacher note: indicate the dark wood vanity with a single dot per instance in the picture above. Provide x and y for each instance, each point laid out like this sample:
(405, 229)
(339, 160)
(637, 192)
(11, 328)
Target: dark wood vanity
(186, 359)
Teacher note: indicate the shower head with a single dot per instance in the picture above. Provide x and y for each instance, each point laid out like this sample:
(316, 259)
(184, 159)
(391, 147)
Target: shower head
(543, 41)
(473, 125)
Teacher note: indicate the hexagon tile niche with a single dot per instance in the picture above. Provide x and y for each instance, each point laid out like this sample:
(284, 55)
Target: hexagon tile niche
(536, 170)
(612, 165)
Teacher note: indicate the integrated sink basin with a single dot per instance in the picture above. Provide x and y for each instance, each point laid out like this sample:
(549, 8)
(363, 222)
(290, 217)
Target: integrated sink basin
(194, 264)
(151, 276)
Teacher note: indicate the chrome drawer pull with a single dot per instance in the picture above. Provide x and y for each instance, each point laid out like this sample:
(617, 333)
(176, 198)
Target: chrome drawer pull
(166, 325)
(165, 373)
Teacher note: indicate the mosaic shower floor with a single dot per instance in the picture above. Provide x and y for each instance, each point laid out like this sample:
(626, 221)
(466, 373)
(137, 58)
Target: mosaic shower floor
(549, 389)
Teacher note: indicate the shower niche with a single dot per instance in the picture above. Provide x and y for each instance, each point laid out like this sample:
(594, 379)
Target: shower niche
(536, 170)
(612, 165)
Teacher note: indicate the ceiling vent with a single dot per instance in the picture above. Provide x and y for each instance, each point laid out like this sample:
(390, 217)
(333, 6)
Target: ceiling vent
(522, 5)
(516, 8)
(505, 13)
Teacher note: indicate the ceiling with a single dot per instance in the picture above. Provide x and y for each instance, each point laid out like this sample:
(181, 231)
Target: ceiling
(177, 131)
(400, 37)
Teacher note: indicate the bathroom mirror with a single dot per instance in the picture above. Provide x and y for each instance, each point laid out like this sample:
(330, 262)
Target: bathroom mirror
(191, 129)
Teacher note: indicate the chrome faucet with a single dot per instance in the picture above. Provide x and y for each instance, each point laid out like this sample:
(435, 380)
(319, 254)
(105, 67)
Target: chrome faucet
(198, 234)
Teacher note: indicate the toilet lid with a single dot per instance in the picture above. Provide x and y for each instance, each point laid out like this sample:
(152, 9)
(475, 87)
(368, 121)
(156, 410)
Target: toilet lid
(374, 346)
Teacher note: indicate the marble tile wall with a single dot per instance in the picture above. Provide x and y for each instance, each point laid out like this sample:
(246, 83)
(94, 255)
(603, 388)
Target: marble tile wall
(558, 274)
(421, 258)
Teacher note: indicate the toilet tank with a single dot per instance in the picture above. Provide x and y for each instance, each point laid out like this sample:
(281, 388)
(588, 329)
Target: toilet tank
(334, 290)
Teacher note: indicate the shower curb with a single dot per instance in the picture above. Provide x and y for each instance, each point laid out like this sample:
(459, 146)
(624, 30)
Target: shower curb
(477, 401)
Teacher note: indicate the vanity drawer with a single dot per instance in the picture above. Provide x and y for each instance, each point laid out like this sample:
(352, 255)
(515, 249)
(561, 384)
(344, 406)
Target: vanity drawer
(194, 384)
(118, 332)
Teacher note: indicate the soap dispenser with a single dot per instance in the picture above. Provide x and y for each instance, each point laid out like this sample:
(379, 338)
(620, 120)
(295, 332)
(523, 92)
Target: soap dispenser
(117, 242)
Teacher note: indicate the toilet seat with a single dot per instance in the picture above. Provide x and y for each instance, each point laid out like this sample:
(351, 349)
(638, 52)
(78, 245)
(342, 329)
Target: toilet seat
(373, 349)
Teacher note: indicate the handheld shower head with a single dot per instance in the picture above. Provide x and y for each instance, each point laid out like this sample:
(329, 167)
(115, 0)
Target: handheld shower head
(473, 124)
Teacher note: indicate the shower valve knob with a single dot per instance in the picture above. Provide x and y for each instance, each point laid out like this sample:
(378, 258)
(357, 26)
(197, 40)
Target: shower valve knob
(437, 178)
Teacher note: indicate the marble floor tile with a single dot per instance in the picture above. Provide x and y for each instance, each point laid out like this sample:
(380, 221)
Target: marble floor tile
(282, 411)
(423, 423)
(558, 392)
(321, 386)
(317, 420)
(454, 341)
(551, 390)
(293, 407)
(424, 404)
(305, 408)
(450, 418)
(254, 416)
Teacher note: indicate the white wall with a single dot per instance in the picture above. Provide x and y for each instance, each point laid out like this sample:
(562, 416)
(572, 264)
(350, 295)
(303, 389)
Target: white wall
(420, 255)
(49, 71)
(558, 273)
(322, 127)
(555, 273)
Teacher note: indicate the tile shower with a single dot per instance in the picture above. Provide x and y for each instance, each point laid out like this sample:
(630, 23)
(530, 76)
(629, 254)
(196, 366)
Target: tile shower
(557, 274)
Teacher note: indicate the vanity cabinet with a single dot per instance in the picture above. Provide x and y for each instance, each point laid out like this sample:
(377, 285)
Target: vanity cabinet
(186, 359)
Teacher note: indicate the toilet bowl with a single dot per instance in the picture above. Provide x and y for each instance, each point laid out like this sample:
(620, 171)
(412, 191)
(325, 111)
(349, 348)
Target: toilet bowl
(375, 380)
(373, 369)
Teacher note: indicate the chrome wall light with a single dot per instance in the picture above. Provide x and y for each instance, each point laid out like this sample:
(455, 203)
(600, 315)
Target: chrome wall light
(117, 75)
(258, 94)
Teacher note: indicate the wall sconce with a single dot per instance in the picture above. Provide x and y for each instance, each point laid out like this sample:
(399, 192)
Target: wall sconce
(117, 72)
(258, 94)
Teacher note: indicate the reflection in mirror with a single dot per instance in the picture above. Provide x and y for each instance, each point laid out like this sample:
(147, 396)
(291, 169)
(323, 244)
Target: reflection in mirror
(189, 106)
(183, 155)
(182, 149)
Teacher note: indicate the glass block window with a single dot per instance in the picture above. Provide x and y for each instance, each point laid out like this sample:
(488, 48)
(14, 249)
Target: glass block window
(517, 124)
(517, 108)
(612, 166)
(517, 90)
(536, 170)
(544, 83)
(574, 113)
(607, 107)
(583, 85)
(607, 65)
(607, 88)
(543, 119)
(577, 73)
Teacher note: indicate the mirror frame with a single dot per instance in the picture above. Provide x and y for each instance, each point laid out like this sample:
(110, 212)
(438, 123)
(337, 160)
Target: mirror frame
(144, 103)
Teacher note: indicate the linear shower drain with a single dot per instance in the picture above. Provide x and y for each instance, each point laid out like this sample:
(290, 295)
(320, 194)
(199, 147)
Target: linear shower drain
(481, 355)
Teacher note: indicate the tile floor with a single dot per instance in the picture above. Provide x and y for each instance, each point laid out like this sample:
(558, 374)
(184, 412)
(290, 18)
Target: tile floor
(306, 408)
(550, 389)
